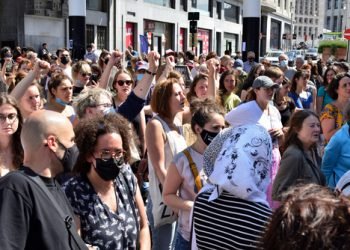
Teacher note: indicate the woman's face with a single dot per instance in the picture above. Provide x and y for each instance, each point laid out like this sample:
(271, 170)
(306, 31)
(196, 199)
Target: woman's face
(230, 83)
(283, 91)
(8, 120)
(216, 124)
(201, 88)
(264, 95)
(64, 91)
(260, 71)
(302, 82)
(108, 145)
(31, 100)
(123, 86)
(344, 88)
(177, 99)
(329, 76)
(84, 75)
(309, 133)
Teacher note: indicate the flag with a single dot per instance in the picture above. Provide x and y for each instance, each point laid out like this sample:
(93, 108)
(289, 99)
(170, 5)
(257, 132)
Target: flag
(144, 44)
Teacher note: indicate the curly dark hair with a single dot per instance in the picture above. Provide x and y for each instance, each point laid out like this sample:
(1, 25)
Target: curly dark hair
(88, 131)
(295, 125)
(311, 217)
(16, 144)
(334, 85)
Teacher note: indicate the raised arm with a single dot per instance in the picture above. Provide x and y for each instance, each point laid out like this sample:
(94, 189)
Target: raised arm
(115, 59)
(212, 77)
(22, 86)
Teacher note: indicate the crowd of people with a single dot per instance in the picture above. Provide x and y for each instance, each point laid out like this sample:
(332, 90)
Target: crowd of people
(123, 150)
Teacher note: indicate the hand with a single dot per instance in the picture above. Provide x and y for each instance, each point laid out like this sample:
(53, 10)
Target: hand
(276, 132)
(153, 61)
(213, 66)
(116, 58)
(170, 63)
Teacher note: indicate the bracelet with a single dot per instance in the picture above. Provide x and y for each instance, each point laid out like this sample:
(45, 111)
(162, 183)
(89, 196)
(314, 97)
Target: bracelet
(150, 73)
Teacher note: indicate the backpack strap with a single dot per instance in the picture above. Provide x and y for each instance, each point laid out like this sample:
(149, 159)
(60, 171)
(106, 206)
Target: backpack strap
(194, 170)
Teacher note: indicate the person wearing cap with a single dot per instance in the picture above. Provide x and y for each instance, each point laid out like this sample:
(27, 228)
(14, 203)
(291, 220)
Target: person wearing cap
(336, 158)
(259, 110)
(247, 65)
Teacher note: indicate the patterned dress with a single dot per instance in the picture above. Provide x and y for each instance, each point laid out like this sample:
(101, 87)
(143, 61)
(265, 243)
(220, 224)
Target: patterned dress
(99, 225)
(330, 111)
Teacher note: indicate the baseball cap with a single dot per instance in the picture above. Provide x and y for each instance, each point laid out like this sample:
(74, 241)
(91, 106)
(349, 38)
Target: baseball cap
(169, 52)
(141, 65)
(265, 82)
(238, 63)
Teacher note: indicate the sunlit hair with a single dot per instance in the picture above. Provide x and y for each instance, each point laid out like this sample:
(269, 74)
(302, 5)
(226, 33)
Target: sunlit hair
(191, 93)
(55, 81)
(161, 97)
(311, 217)
(80, 67)
(119, 72)
(89, 130)
(16, 145)
(203, 110)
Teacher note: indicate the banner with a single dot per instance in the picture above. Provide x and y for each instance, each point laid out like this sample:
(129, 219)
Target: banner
(143, 44)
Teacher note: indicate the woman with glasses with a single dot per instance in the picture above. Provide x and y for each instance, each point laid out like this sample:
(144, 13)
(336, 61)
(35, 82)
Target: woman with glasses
(81, 73)
(11, 151)
(104, 195)
(60, 90)
(332, 115)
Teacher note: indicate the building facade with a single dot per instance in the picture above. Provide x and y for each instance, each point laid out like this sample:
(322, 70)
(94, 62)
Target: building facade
(308, 21)
(337, 15)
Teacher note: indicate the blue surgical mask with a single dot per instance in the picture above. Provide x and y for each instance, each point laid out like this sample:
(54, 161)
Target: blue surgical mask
(61, 102)
(109, 110)
(139, 77)
(283, 63)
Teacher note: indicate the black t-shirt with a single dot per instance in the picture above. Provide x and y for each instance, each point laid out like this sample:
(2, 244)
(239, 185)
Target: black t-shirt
(28, 218)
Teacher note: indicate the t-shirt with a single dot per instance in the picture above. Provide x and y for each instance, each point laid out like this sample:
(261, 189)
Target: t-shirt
(231, 101)
(228, 222)
(326, 98)
(303, 100)
(99, 225)
(29, 219)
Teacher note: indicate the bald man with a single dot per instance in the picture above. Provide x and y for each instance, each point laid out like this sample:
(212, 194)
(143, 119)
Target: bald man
(29, 219)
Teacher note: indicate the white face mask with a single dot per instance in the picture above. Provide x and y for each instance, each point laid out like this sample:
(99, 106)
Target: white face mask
(284, 63)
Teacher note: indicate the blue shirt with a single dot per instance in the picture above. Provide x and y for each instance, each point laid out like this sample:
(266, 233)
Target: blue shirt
(301, 102)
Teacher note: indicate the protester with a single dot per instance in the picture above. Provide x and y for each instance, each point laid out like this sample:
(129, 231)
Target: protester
(323, 97)
(231, 211)
(227, 83)
(332, 115)
(311, 217)
(30, 199)
(303, 99)
(301, 162)
(105, 196)
(11, 151)
(257, 70)
(250, 63)
(164, 139)
(284, 103)
(336, 159)
(185, 177)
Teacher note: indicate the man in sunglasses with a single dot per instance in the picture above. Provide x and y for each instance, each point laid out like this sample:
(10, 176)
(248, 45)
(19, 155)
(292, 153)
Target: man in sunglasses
(247, 65)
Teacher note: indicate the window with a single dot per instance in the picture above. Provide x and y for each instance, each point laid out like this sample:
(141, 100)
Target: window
(218, 9)
(335, 21)
(329, 4)
(97, 5)
(164, 3)
(231, 12)
(342, 5)
(90, 34)
(336, 4)
(101, 37)
(341, 22)
(285, 4)
(310, 31)
(183, 5)
(299, 31)
(328, 22)
(200, 4)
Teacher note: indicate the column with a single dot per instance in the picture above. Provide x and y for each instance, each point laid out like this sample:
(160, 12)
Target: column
(77, 24)
(251, 28)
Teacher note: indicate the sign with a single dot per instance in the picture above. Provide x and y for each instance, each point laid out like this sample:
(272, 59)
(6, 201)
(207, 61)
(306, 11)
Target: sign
(347, 34)
(186, 74)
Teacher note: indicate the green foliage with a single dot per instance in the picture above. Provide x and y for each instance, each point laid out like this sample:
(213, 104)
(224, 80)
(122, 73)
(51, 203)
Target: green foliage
(333, 44)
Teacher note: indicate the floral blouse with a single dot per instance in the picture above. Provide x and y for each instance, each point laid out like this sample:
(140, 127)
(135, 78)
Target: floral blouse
(99, 225)
(330, 111)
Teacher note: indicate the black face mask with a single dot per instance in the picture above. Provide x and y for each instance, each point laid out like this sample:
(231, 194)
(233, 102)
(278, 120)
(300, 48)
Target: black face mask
(109, 169)
(69, 158)
(64, 60)
(208, 136)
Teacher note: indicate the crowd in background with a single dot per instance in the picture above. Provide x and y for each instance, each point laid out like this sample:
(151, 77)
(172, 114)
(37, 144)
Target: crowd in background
(179, 151)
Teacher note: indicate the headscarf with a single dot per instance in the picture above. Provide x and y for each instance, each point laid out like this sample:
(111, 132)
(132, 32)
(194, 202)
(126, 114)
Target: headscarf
(239, 161)
(343, 185)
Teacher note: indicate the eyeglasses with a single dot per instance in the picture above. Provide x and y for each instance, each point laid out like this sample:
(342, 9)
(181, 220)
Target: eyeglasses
(11, 117)
(108, 154)
(105, 105)
(85, 74)
(122, 82)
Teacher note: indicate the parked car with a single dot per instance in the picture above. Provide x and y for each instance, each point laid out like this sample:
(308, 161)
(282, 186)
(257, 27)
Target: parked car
(272, 56)
(311, 53)
(292, 55)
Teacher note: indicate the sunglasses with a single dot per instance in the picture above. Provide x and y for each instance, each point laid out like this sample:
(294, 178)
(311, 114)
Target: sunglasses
(122, 82)
(85, 74)
(11, 117)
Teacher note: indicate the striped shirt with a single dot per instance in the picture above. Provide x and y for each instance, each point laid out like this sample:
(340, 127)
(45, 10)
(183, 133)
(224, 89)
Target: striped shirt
(228, 222)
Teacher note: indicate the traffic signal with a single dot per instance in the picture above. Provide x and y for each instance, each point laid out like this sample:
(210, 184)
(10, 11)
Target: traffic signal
(193, 26)
(284, 36)
(294, 36)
